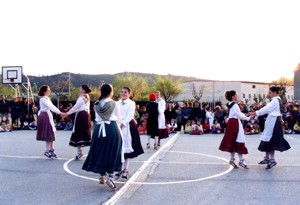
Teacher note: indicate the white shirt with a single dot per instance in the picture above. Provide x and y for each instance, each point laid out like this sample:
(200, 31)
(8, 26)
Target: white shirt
(161, 111)
(273, 111)
(235, 112)
(127, 108)
(116, 114)
(82, 104)
(46, 105)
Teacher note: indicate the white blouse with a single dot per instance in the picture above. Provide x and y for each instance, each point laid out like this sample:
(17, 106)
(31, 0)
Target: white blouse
(115, 116)
(46, 105)
(82, 104)
(236, 113)
(273, 111)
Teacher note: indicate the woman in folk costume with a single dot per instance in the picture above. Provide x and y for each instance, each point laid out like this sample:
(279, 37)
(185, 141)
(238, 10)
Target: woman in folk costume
(46, 128)
(81, 135)
(162, 128)
(234, 138)
(131, 136)
(272, 137)
(152, 121)
(106, 152)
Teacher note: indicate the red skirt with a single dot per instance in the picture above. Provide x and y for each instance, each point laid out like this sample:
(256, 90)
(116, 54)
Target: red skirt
(229, 143)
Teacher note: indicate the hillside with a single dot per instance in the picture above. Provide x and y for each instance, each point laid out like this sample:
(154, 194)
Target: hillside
(94, 80)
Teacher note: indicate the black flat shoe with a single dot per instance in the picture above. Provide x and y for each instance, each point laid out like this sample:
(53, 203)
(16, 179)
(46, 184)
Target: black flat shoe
(265, 161)
(125, 174)
(271, 165)
(233, 164)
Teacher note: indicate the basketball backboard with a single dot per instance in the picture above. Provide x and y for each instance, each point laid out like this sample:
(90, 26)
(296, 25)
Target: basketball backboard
(12, 75)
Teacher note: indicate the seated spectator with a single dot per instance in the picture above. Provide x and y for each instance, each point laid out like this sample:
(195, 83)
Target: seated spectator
(188, 127)
(8, 125)
(216, 128)
(143, 128)
(16, 125)
(144, 117)
(256, 128)
(69, 126)
(61, 125)
(286, 128)
(197, 129)
(32, 125)
(297, 128)
(4, 127)
(249, 130)
(206, 127)
(172, 126)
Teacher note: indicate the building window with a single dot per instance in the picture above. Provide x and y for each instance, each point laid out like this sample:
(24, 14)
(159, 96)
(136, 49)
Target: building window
(253, 86)
(254, 95)
(264, 96)
(288, 96)
(250, 96)
(244, 95)
(292, 97)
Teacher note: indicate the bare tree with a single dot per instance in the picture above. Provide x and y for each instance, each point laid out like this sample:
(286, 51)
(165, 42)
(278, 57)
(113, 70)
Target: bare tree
(197, 91)
(58, 87)
(283, 83)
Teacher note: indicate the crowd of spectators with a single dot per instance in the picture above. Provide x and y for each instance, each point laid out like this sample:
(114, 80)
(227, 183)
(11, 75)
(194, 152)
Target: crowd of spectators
(191, 118)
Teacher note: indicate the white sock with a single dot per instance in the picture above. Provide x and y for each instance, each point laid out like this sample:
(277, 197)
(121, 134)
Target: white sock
(79, 149)
(272, 155)
(149, 138)
(156, 139)
(241, 157)
(126, 164)
(232, 156)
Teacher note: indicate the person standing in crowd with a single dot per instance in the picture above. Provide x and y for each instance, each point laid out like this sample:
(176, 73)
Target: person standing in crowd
(185, 114)
(210, 117)
(234, 138)
(170, 113)
(106, 152)
(203, 112)
(81, 135)
(131, 136)
(178, 118)
(196, 112)
(16, 112)
(152, 122)
(46, 129)
(162, 126)
(4, 108)
(220, 116)
(272, 138)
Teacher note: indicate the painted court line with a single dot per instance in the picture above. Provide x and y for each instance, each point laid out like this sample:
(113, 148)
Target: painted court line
(124, 188)
(30, 157)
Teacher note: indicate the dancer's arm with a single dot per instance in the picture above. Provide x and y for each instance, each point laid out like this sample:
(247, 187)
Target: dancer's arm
(239, 114)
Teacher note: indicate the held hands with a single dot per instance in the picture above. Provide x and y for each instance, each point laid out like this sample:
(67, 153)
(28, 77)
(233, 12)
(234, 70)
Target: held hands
(252, 115)
(64, 115)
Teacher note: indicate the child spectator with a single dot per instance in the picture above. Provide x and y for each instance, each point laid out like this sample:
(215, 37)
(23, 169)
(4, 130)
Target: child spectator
(16, 125)
(286, 128)
(197, 129)
(188, 127)
(206, 126)
(216, 128)
(173, 126)
(4, 127)
(297, 128)
(249, 130)
(143, 128)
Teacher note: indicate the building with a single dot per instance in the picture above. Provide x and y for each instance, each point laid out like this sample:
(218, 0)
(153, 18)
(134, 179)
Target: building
(213, 91)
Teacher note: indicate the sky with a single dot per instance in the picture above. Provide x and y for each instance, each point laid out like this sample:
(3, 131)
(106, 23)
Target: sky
(217, 39)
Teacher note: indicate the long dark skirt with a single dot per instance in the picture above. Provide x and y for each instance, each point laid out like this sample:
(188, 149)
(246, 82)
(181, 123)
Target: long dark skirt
(82, 134)
(135, 141)
(229, 143)
(105, 155)
(44, 129)
(277, 142)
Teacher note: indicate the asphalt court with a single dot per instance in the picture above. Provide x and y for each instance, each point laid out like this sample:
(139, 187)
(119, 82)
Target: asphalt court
(186, 170)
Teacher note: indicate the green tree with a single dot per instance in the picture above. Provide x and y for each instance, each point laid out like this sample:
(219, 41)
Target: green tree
(138, 85)
(168, 87)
